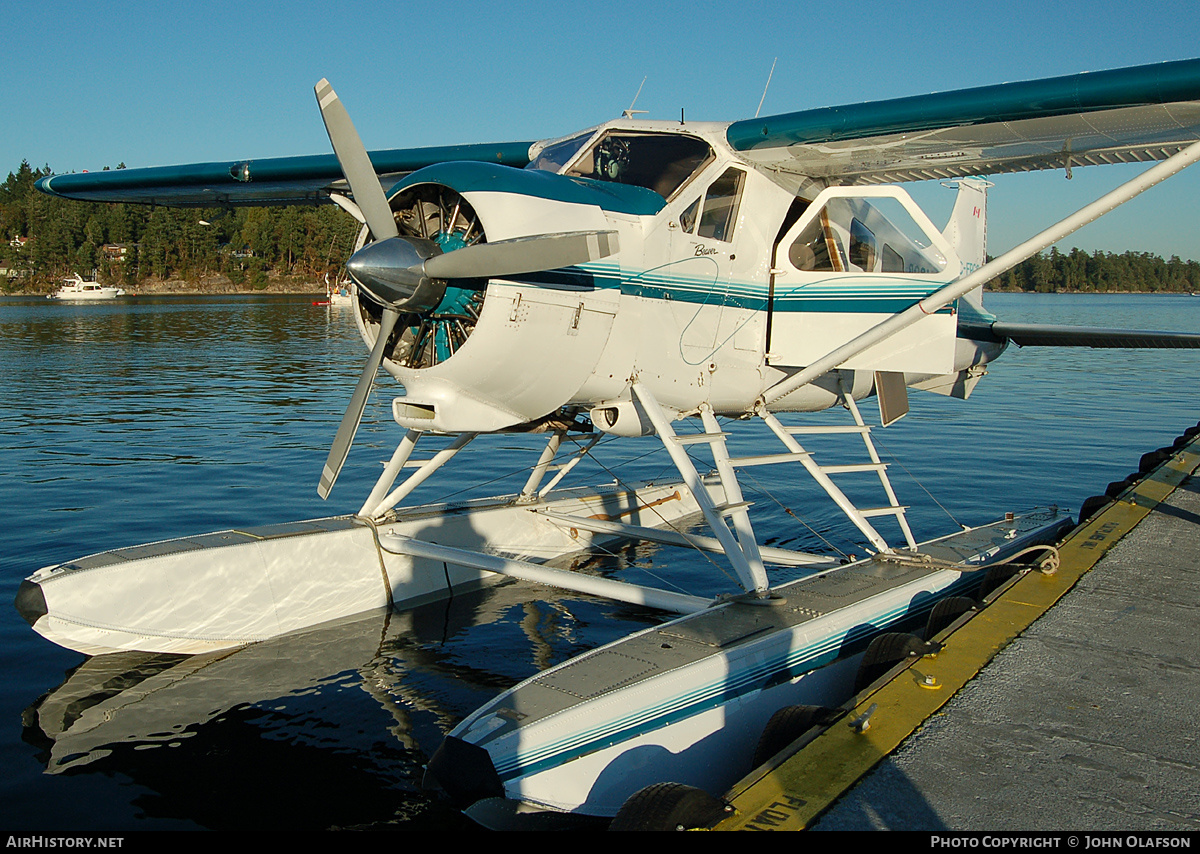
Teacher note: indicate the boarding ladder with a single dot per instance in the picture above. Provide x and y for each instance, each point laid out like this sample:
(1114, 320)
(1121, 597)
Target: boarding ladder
(821, 473)
(739, 544)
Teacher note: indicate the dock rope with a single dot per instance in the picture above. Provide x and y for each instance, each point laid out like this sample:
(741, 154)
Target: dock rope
(1047, 565)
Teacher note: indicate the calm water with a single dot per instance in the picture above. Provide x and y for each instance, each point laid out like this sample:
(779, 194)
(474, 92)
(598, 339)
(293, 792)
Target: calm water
(132, 422)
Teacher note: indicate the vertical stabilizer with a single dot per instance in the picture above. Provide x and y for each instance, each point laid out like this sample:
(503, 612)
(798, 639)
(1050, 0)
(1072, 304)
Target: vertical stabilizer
(966, 232)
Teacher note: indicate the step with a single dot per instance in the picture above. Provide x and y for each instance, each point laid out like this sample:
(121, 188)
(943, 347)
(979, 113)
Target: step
(856, 467)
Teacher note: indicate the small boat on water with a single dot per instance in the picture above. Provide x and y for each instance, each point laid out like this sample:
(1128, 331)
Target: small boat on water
(337, 293)
(75, 288)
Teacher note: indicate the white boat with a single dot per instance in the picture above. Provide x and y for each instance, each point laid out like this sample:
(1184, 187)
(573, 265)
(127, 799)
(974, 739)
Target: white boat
(75, 288)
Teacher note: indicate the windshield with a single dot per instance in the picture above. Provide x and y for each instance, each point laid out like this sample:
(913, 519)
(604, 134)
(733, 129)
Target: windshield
(556, 155)
(657, 161)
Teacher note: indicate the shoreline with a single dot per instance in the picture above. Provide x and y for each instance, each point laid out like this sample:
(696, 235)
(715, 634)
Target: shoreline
(221, 286)
(207, 286)
(1093, 293)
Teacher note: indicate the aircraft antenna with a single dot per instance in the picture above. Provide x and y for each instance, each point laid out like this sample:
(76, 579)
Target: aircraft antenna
(764, 95)
(631, 112)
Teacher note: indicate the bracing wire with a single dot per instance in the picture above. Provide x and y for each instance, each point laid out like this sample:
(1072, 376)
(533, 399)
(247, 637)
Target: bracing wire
(896, 460)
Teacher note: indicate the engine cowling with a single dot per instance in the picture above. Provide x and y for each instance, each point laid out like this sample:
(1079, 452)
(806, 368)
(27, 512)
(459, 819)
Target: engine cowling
(481, 354)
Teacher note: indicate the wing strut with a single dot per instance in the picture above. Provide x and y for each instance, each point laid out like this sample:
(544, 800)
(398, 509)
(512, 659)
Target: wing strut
(741, 552)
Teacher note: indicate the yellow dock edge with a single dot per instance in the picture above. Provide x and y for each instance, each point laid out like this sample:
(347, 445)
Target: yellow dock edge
(790, 792)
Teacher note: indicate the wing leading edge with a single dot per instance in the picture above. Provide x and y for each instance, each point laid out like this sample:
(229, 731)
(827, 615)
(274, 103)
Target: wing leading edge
(1125, 115)
(274, 181)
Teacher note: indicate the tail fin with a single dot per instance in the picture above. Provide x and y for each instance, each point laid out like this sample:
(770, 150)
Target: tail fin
(966, 232)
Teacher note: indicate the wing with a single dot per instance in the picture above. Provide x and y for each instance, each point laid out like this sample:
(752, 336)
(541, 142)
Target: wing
(275, 181)
(1120, 116)
(1127, 115)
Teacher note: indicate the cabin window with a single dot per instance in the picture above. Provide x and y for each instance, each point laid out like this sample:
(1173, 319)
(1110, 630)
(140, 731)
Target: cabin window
(817, 248)
(859, 235)
(721, 205)
(893, 261)
(862, 246)
(657, 161)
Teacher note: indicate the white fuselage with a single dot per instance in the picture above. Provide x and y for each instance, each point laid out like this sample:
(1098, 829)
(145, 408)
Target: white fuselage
(712, 299)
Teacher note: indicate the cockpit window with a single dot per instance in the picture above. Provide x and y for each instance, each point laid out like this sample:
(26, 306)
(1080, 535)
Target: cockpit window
(659, 162)
(721, 206)
(556, 155)
(687, 219)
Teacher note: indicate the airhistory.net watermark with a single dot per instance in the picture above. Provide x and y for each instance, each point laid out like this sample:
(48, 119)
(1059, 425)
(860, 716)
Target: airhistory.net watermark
(38, 840)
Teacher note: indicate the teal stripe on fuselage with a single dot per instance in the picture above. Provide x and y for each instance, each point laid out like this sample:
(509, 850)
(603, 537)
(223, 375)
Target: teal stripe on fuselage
(886, 296)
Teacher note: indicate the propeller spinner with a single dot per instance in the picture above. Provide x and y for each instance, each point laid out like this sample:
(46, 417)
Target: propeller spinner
(408, 274)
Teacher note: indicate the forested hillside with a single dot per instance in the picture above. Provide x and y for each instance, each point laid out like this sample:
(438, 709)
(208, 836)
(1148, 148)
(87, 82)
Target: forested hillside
(45, 238)
(1101, 272)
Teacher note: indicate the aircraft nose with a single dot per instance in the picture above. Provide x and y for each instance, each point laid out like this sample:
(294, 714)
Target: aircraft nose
(30, 602)
(390, 270)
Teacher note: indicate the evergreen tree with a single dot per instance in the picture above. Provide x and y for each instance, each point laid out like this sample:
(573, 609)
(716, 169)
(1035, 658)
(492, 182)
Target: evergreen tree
(45, 237)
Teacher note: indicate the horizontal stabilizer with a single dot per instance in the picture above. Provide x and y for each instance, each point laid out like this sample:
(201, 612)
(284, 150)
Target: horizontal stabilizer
(1049, 335)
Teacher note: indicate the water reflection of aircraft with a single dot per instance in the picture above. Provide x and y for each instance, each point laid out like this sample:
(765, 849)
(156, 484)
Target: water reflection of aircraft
(640, 278)
(131, 712)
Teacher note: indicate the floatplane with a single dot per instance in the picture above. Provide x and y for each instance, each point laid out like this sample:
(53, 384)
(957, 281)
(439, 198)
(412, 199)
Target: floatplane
(669, 280)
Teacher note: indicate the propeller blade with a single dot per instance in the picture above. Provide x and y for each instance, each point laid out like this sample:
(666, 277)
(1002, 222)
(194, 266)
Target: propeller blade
(355, 163)
(358, 402)
(522, 255)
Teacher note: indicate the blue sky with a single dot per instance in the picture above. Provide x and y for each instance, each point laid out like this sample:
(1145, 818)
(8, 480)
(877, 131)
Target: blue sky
(95, 84)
